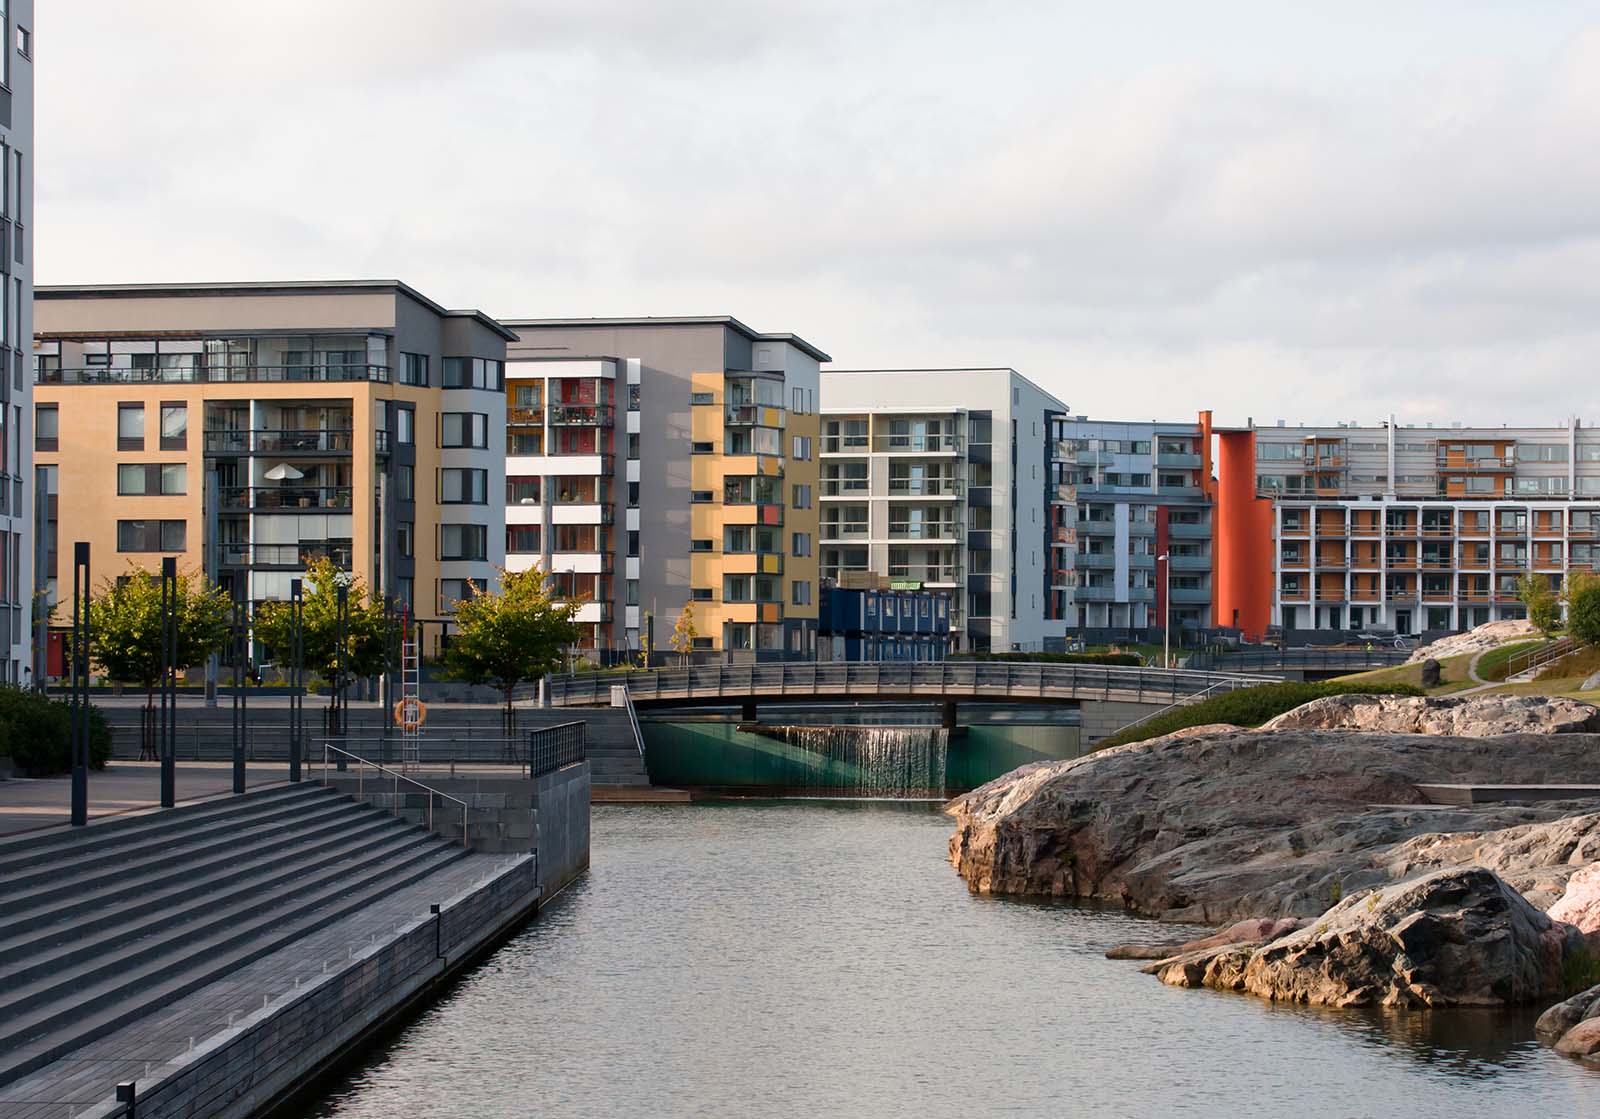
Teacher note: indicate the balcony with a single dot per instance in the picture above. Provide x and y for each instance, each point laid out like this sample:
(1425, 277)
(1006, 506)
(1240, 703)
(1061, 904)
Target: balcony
(221, 374)
(752, 563)
(924, 487)
(1190, 595)
(1400, 594)
(1087, 527)
(851, 530)
(917, 444)
(1141, 594)
(949, 532)
(845, 487)
(1095, 594)
(1064, 494)
(1190, 563)
(1094, 561)
(1294, 560)
(1178, 461)
(752, 415)
(1178, 491)
(1461, 464)
(283, 442)
(285, 498)
(581, 415)
(524, 417)
(845, 445)
(289, 557)
(1142, 561)
(1181, 530)
(926, 573)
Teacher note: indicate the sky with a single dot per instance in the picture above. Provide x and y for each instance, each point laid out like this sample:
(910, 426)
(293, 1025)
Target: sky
(1148, 207)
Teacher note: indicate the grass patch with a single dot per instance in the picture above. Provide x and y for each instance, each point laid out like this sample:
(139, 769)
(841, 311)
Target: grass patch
(1580, 663)
(1250, 707)
(1452, 676)
(1496, 663)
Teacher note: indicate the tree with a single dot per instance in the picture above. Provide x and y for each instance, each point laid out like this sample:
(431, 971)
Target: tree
(684, 633)
(1583, 607)
(1544, 607)
(505, 637)
(367, 647)
(126, 636)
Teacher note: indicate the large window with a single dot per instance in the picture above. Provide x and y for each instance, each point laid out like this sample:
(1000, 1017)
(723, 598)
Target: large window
(463, 486)
(405, 425)
(152, 479)
(46, 427)
(473, 373)
(130, 427)
(151, 536)
(463, 542)
(405, 538)
(463, 429)
(413, 369)
(174, 427)
(452, 591)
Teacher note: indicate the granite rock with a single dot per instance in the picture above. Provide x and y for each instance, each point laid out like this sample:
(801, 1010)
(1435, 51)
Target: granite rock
(1473, 716)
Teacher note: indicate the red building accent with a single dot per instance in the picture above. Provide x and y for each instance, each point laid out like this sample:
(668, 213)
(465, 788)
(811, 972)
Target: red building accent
(1241, 536)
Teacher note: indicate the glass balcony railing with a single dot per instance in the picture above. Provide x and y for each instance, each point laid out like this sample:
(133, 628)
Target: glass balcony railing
(918, 444)
(292, 556)
(285, 497)
(924, 487)
(581, 415)
(104, 375)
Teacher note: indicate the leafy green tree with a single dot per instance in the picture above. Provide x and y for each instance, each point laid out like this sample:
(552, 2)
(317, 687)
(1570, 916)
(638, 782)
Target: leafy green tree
(125, 627)
(1583, 607)
(505, 637)
(684, 633)
(1544, 606)
(367, 648)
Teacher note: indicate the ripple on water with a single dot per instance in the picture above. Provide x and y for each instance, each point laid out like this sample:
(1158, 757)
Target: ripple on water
(821, 958)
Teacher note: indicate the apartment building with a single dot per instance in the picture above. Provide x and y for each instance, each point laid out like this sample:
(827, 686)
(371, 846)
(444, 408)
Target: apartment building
(252, 429)
(655, 463)
(936, 478)
(1130, 527)
(1419, 529)
(19, 534)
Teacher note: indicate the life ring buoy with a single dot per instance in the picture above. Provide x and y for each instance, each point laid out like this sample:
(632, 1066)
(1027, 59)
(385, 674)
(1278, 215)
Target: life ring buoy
(410, 713)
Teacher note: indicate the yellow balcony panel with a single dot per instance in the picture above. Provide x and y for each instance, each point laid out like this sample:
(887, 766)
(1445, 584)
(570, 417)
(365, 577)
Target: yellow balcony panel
(772, 564)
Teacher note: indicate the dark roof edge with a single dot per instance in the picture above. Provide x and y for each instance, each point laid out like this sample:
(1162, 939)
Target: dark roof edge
(679, 320)
(267, 287)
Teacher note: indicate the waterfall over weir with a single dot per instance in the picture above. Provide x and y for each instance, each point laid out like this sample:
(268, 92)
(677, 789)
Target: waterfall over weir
(870, 761)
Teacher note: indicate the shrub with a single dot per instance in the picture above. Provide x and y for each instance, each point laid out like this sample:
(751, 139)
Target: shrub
(1250, 707)
(1126, 659)
(1583, 608)
(36, 732)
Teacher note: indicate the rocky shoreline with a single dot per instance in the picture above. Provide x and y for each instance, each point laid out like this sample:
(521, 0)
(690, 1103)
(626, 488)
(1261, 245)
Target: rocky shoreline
(1344, 887)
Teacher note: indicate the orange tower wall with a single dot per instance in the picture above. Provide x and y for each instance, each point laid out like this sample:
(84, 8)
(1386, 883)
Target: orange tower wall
(1241, 538)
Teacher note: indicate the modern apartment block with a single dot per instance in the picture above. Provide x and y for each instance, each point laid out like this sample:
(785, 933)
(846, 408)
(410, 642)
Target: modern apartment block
(251, 429)
(936, 478)
(661, 462)
(1130, 527)
(1419, 529)
(19, 536)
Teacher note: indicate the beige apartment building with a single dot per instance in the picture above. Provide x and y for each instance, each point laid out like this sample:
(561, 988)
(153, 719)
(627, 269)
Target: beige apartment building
(251, 429)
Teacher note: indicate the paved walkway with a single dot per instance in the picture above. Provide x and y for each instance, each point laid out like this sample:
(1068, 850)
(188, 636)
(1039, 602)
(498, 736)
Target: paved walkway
(122, 786)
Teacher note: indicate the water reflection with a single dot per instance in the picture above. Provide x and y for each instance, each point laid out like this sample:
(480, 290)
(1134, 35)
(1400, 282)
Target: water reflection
(821, 958)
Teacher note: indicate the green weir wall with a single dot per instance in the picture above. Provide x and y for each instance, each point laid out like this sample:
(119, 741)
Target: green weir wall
(717, 754)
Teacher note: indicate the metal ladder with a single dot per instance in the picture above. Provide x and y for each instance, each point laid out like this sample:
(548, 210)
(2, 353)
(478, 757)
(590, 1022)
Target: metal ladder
(410, 693)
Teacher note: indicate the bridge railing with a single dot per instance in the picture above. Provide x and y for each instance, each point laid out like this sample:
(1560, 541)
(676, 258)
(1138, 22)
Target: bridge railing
(970, 679)
(1265, 660)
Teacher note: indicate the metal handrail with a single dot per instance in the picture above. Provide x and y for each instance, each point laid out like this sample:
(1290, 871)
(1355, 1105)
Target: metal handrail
(328, 747)
(1538, 658)
(633, 721)
(805, 678)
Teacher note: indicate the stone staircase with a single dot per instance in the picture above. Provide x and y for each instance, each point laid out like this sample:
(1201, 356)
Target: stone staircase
(102, 925)
(614, 760)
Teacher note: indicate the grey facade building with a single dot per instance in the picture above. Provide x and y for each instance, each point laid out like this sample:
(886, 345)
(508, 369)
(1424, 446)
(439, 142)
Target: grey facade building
(19, 535)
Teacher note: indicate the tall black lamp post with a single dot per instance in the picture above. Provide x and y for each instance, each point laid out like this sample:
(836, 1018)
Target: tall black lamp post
(169, 681)
(297, 675)
(241, 654)
(79, 672)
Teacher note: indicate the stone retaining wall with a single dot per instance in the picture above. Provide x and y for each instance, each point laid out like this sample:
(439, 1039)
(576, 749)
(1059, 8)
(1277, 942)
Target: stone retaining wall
(277, 1050)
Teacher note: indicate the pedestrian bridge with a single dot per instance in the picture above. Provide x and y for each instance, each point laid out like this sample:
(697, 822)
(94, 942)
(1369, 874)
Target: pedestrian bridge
(946, 682)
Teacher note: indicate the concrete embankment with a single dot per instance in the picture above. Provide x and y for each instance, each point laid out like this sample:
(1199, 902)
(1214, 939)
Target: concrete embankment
(218, 956)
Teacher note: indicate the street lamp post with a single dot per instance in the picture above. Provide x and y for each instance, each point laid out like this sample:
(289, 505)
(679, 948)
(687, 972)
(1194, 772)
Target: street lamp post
(297, 675)
(1165, 558)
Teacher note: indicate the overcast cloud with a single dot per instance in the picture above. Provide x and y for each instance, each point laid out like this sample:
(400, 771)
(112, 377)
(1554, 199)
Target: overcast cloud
(1148, 208)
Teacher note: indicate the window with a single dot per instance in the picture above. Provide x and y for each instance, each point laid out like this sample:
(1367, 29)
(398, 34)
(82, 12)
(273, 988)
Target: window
(405, 482)
(700, 594)
(523, 539)
(151, 536)
(633, 495)
(633, 445)
(463, 429)
(800, 592)
(463, 486)
(633, 402)
(413, 369)
(800, 544)
(24, 41)
(130, 427)
(46, 427)
(452, 591)
(702, 398)
(405, 535)
(473, 373)
(174, 427)
(463, 542)
(701, 545)
(153, 479)
(802, 447)
(797, 403)
(802, 497)
(633, 542)
(700, 497)
(405, 425)
(703, 448)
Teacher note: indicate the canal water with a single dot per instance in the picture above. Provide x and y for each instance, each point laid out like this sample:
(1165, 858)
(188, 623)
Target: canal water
(806, 958)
